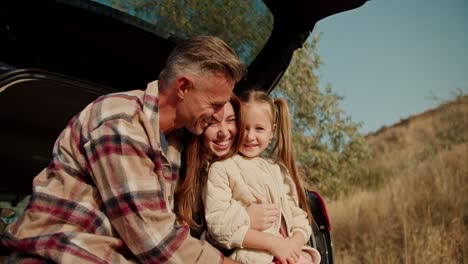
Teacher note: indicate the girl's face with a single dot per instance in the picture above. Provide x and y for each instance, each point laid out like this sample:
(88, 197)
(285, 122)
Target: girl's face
(219, 135)
(259, 129)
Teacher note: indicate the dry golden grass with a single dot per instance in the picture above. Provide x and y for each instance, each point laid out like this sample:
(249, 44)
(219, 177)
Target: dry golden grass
(398, 146)
(417, 212)
(420, 217)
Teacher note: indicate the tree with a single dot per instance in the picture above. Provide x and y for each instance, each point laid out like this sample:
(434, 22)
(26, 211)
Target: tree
(326, 141)
(327, 144)
(244, 25)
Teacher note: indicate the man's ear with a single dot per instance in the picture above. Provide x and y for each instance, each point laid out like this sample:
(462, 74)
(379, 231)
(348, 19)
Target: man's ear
(183, 86)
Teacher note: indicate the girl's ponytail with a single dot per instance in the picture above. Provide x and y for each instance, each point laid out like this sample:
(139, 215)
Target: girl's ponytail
(284, 148)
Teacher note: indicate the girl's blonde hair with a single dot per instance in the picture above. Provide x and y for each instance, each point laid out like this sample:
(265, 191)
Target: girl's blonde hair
(279, 116)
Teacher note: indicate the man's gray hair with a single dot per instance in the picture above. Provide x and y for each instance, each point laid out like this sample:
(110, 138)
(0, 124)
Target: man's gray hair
(202, 54)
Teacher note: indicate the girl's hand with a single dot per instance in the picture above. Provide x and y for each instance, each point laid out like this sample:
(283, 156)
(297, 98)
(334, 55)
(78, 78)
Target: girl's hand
(229, 261)
(262, 216)
(297, 239)
(285, 251)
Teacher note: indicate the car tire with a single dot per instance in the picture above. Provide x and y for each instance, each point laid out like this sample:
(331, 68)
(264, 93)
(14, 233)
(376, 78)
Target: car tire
(321, 240)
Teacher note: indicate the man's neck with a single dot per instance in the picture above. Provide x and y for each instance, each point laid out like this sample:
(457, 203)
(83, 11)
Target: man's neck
(167, 110)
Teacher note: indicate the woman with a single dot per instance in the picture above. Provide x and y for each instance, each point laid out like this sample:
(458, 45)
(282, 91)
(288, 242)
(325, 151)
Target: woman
(214, 144)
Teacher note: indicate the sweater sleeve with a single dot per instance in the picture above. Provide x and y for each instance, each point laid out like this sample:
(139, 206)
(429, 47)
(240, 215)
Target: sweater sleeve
(300, 220)
(227, 220)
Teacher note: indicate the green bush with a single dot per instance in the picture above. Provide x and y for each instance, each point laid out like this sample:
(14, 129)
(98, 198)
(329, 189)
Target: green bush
(327, 143)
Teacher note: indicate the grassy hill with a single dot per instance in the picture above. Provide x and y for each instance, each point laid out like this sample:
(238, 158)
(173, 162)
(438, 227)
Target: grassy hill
(410, 204)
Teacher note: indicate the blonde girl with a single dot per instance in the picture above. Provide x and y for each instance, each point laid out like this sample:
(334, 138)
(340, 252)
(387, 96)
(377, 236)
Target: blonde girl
(246, 178)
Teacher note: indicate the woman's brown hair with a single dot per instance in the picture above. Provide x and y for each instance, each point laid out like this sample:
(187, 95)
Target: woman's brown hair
(189, 202)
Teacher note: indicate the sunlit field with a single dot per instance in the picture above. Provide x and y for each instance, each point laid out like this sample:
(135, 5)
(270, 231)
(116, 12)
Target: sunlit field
(418, 211)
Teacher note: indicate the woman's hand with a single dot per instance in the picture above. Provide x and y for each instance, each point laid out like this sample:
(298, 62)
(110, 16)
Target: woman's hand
(262, 216)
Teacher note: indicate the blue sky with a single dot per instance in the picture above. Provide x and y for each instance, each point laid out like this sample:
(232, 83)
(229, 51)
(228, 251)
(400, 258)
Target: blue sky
(389, 58)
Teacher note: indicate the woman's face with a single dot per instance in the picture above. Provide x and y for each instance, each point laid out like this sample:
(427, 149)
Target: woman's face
(219, 136)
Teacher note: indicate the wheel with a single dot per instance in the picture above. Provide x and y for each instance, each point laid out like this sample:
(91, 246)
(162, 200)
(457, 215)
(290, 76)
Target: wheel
(322, 241)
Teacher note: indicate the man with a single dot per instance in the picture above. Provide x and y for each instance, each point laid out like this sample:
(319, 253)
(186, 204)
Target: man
(107, 195)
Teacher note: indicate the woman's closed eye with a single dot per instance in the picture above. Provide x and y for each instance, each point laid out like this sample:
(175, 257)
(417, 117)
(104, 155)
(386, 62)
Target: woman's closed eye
(213, 123)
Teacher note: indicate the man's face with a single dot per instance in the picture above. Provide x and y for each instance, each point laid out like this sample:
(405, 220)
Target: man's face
(205, 98)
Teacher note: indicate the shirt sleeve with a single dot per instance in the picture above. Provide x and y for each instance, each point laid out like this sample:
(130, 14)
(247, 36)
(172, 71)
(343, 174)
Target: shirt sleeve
(227, 220)
(127, 174)
(300, 222)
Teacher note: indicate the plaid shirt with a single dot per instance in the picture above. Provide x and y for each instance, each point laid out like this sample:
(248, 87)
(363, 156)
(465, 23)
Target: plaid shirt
(107, 195)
